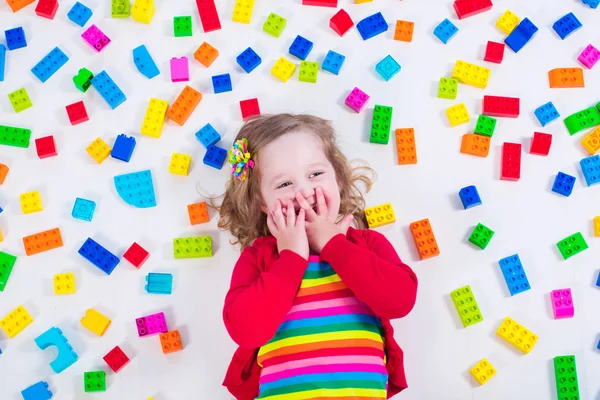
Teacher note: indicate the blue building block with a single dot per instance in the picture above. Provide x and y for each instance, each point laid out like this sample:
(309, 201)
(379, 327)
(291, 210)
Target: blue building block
(566, 25)
(2, 61)
(546, 113)
(144, 62)
(208, 135)
(98, 256)
(123, 148)
(1, 210)
(222, 83)
(521, 35)
(108, 90)
(387, 68)
(79, 14)
(248, 60)
(333, 62)
(159, 283)
(38, 391)
(215, 156)
(563, 184)
(301, 47)
(514, 274)
(372, 26)
(136, 189)
(591, 169)
(49, 64)
(469, 197)
(66, 356)
(445, 31)
(591, 3)
(83, 209)
(598, 280)
(15, 38)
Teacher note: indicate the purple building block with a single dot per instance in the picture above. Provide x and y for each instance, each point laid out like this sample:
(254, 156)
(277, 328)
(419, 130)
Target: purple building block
(562, 303)
(589, 56)
(180, 69)
(95, 38)
(357, 99)
(151, 324)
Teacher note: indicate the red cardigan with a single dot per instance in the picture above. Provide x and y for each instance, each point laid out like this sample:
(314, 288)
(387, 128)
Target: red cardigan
(264, 284)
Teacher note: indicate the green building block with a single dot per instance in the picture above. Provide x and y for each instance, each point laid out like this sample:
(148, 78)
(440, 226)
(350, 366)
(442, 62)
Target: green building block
(583, 119)
(11, 136)
(274, 24)
(19, 100)
(381, 124)
(485, 126)
(481, 236)
(565, 371)
(182, 26)
(448, 88)
(466, 306)
(120, 8)
(83, 79)
(572, 245)
(308, 71)
(7, 261)
(192, 247)
(94, 381)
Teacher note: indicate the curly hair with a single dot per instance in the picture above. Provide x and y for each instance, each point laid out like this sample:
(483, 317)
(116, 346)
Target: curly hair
(240, 211)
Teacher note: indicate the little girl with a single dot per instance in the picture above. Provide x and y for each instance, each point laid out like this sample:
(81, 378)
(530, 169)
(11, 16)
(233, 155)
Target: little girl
(311, 298)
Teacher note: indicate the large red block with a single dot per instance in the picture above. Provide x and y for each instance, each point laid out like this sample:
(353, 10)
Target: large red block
(322, 3)
(496, 106)
(47, 8)
(468, 8)
(511, 161)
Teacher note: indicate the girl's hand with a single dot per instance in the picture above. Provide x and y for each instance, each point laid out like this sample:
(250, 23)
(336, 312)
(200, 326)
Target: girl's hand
(289, 230)
(320, 225)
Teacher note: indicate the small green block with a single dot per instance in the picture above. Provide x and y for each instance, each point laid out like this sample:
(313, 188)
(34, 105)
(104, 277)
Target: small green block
(308, 71)
(381, 124)
(581, 120)
(565, 372)
(182, 26)
(274, 24)
(448, 88)
(83, 79)
(192, 247)
(572, 245)
(485, 126)
(120, 8)
(94, 381)
(7, 261)
(466, 306)
(11, 136)
(481, 236)
(19, 100)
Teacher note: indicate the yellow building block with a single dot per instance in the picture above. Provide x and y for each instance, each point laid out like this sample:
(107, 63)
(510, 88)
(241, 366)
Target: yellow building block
(380, 215)
(242, 11)
(592, 141)
(283, 69)
(471, 74)
(180, 164)
(507, 22)
(597, 226)
(362, 1)
(458, 114)
(64, 283)
(155, 117)
(517, 335)
(143, 11)
(95, 322)
(31, 202)
(16, 321)
(99, 150)
(483, 371)
(1, 238)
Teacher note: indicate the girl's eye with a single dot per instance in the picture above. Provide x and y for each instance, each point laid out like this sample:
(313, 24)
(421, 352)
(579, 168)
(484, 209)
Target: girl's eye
(316, 174)
(284, 185)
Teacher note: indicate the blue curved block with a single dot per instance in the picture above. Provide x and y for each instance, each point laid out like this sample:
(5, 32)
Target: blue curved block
(590, 166)
(66, 356)
(109, 91)
(38, 391)
(546, 113)
(83, 209)
(301, 47)
(514, 274)
(79, 14)
(2, 61)
(99, 256)
(445, 31)
(469, 197)
(207, 135)
(136, 189)
(159, 283)
(144, 62)
(592, 4)
(372, 26)
(563, 184)
(49, 64)
(248, 60)
(215, 156)
(566, 25)
(521, 35)
(333, 62)
(123, 148)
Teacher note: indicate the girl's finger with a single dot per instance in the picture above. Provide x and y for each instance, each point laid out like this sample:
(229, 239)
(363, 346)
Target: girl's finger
(278, 215)
(345, 223)
(291, 214)
(310, 213)
(271, 224)
(331, 214)
(321, 203)
(300, 220)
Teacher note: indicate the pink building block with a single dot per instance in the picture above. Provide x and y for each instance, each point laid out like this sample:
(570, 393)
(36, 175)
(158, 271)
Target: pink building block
(95, 38)
(179, 69)
(151, 324)
(562, 303)
(589, 56)
(357, 99)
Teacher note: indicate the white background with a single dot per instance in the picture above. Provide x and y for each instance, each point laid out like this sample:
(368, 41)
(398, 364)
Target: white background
(528, 218)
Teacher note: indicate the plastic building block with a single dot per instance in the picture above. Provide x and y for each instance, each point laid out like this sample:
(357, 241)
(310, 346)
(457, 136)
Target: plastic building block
(517, 335)
(12, 136)
(215, 156)
(198, 213)
(38, 391)
(485, 126)
(596, 233)
(468, 8)
(15, 38)
(445, 31)
(144, 62)
(381, 124)
(17, 320)
(249, 108)
(566, 25)
(108, 89)
(469, 197)
(494, 52)
(79, 14)
(206, 54)
(424, 238)
(507, 22)
(83, 79)
(283, 69)
(159, 283)
(481, 236)
(591, 142)
(458, 114)
(99, 256)
(45, 147)
(248, 60)
(136, 255)
(308, 71)
(546, 113)
(380, 215)
(341, 22)
(514, 274)
(540, 144)
(222, 83)
(66, 356)
(170, 342)
(115, 358)
(562, 303)
(563, 184)
(589, 56)
(388, 67)
(274, 24)
(321, 3)
(123, 148)
(64, 283)
(207, 135)
(466, 306)
(583, 119)
(120, 9)
(406, 147)
(404, 31)
(301, 47)
(83, 209)
(471, 74)
(136, 189)
(192, 247)
(566, 78)
(7, 261)
(16, 5)
(483, 371)
(180, 69)
(591, 3)
(19, 99)
(182, 26)
(475, 145)
(511, 161)
(371, 26)
(151, 324)
(357, 99)
(95, 322)
(572, 245)
(42, 241)
(143, 11)
(2, 61)
(497, 106)
(590, 166)
(95, 38)
(448, 88)
(208, 15)
(565, 372)
(333, 62)
(31, 202)
(77, 113)
(94, 381)
(47, 8)
(180, 164)
(98, 150)
(242, 11)
(184, 105)
(154, 118)
(3, 172)
(521, 35)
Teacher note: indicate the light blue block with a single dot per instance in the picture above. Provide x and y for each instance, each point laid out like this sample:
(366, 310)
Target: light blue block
(514, 274)
(38, 391)
(590, 166)
(144, 62)
(445, 31)
(546, 113)
(49, 64)
(333, 62)
(108, 89)
(521, 35)
(159, 283)
(2, 61)
(83, 209)
(66, 356)
(208, 135)
(136, 189)
(387, 68)
(79, 14)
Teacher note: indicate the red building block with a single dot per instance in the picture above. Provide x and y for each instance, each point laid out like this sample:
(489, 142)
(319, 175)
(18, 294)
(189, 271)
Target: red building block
(341, 22)
(46, 8)
(249, 108)
(45, 147)
(116, 359)
(511, 161)
(468, 8)
(496, 106)
(494, 52)
(136, 255)
(540, 143)
(77, 113)
(322, 3)
(208, 15)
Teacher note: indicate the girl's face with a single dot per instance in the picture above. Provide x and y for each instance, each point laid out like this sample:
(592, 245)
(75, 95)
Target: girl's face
(295, 163)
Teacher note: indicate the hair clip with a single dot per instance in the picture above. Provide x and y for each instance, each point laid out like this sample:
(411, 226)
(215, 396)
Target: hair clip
(239, 159)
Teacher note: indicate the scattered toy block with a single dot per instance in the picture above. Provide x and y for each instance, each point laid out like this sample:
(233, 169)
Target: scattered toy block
(154, 118)
(79, 14)
(333, 62)
(590, 166)
(372, 26)
(583, 119)
(591, 142)
(521, 35)
(475, 145)
(242, 11)
(540, 144)
(566, 78)
(206, 54)
(214, 157)
(16, 5)
(424, 238)
(38, 391)
(3, 172)
(485, 126)
(591, 3)
(445, 31)
(95, 321)
(448, 88)
(511, 161)
(340, 22)
(380, 215)
(249, 109)
(507, 22)
(14, 323)
(45, 147)
(64, 283)
(248, 60)
(198, 213)
(494, 52)
(308, 71)
(471, 74)
(458, 114)
(321, 3)
(48, 65)
(159, 283)
(179, 69)
(99, 256)
(274, 24)
(170, 342)
(517, 335)
(95, 38)
(481, 236)
(144, 62)
(469, 8)
(115, 358)
(565, 373)
(207, 135)
(514, 274)
(182, 26)
(283, 69)
(15, 38)
(208, 15)
(387, 68)
(143, 11)
(136, 189)
(483, 371)
(19, 99)
(120, 9)
(301, 47)
(180, 164)
(563, 184)
(2, 61)
(596, 233)
(466, 306)
(31, 202)
(77, 113)
(136, 255)
(83, 79)
(151, 324)
(381, 124)
(589, 56)
(566, 25)
(12, 136)
(184, 106)
(546, 113)
(123, 148)
(469, 197)
(406, 147)
(7, 262)
(404, 31)
(357, 99)
(83, 209)
(98, 150)
(222, 83)
(108, 89)
(42, 241)
(497, 106)
(572, 245)
(192, 247)
(94, 381)
(562, 303)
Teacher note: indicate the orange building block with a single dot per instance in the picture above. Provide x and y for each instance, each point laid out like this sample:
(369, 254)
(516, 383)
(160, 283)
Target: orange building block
(43, 241)
(16, 5)
(404, 31)
(3, 172)
(566, 78)
(184, 106)
(405, 146)
(170, 342)
(476, 145)
(198, 213)
(206, 54)
(424, 239)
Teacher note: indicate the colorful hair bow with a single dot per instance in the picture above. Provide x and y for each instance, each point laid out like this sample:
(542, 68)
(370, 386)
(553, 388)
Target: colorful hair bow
(239, 159)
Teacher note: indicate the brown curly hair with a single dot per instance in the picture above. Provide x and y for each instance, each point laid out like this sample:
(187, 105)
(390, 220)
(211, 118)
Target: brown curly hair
(240, 211)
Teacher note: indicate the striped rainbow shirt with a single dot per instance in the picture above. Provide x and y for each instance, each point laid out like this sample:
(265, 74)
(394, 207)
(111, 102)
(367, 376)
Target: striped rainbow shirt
(330, 345)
